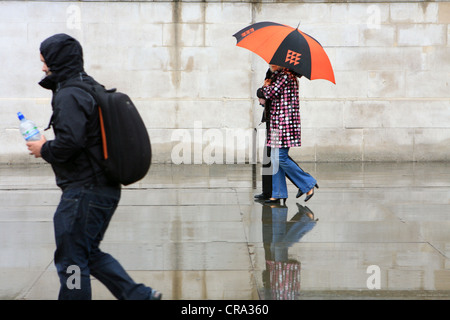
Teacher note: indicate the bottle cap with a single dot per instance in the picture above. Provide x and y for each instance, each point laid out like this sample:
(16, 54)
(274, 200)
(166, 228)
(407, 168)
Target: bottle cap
(20, 115)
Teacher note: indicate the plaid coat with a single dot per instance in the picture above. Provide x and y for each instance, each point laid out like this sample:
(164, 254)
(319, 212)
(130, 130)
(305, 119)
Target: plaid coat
(285, 129)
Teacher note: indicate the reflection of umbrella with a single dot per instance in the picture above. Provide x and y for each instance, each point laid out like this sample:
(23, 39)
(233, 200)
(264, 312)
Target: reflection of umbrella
(288, 47)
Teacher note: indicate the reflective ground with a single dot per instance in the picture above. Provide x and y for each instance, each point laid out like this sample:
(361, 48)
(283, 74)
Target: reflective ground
(372, 230)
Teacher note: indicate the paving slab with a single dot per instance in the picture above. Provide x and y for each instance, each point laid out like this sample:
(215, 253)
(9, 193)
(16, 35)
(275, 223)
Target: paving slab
(371, 231)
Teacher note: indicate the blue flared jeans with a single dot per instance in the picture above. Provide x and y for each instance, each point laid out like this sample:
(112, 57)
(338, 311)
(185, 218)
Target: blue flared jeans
(80, 222)
(282, 165)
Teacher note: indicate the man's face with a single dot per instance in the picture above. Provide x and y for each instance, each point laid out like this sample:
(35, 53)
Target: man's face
(45, 68)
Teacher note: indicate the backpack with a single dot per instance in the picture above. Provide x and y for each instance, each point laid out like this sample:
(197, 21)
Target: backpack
(126, 144)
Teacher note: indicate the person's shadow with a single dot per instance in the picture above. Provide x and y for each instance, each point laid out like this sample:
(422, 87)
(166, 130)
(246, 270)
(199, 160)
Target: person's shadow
(281, 278)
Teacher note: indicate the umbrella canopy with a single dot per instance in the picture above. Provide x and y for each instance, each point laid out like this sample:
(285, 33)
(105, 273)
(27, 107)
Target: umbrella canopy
(288, 47)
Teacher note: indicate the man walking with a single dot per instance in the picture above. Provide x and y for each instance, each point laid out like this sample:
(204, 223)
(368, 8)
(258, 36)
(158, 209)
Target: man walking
(88, 198)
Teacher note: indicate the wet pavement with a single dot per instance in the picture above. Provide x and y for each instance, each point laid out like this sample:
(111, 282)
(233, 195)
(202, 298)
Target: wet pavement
(372, 231)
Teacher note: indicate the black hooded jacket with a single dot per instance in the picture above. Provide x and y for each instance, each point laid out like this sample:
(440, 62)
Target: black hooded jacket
(268, 104)
(75, 118)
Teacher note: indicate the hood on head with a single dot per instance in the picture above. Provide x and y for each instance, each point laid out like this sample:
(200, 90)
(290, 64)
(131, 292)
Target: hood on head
(64, 56)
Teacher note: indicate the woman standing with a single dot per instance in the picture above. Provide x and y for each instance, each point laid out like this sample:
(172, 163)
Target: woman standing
(285, 132)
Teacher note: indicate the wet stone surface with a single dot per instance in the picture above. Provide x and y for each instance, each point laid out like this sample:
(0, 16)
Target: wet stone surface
(372, 231)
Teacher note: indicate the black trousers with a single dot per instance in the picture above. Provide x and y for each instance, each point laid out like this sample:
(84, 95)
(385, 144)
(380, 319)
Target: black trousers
(266, 173)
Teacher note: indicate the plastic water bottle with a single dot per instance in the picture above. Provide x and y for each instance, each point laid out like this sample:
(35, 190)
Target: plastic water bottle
(28, 128)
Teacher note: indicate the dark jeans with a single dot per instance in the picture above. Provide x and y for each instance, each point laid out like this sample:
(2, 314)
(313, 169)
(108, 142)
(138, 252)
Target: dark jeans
(80, 222)
(267, 172)
(284, 166)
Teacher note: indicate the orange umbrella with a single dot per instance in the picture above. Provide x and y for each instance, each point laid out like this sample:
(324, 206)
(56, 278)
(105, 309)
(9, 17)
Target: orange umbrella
(288, 47)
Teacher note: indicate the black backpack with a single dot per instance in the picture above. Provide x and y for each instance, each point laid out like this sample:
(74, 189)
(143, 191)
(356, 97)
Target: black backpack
(126, 144)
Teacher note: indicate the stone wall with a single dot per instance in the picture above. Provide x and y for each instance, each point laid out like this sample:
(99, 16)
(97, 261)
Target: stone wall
(196, 89)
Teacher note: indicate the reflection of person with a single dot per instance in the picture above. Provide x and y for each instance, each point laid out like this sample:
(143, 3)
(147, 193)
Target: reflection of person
(281, 278)
(285, 132)
(88, 199)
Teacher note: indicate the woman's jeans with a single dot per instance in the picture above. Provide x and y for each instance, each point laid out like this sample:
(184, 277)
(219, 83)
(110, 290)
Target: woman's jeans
(282, 166)
(80, 222)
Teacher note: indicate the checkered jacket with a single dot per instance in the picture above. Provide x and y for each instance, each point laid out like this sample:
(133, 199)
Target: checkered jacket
(285, 128)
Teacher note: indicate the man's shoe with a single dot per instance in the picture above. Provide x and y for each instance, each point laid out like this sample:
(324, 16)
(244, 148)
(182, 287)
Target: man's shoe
(155, 295)
(261, 196)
